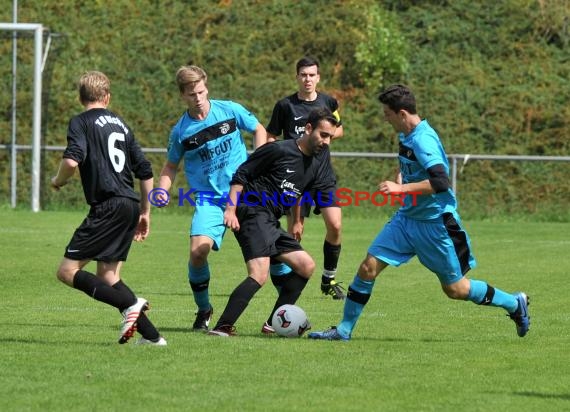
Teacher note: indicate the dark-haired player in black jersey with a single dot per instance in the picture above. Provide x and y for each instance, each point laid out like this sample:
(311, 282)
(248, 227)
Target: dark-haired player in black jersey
(274, 178)
(103, 147)
(289, 118)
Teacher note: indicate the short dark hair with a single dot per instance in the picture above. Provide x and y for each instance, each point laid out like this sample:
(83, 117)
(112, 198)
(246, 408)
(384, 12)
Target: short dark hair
(306, 62)
(398, 97)
(319, 114)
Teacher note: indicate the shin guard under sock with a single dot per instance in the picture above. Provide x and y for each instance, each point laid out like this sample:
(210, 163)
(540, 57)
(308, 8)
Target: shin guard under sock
(290, 292)
(199, 279)
(357, 297)
(101, 291)
(331, 254)
(239, 299)
(482, 293)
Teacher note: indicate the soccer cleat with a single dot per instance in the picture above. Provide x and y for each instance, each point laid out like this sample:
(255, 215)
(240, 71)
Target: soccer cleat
(160, 342)
(333, 289)
(521, 316)
(329, 334)
(267, 329)
(202, 321)
(130, 317)
(224, 331)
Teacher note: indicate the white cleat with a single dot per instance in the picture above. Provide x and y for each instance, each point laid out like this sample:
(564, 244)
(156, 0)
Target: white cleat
(130, 317)
(160, 342)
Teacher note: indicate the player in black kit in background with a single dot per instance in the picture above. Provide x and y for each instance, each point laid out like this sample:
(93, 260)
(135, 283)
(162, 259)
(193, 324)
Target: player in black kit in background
(103, 147)
(289, 118)
(275, 177)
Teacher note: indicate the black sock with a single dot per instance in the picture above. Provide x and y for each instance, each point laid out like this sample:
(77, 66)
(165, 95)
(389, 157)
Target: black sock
(239, 299)
(278, 281)
(331, 254)
(99, 290)
(144, 325)
(290, 292)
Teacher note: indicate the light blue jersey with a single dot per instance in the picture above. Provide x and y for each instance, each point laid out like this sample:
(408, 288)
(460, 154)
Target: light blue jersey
(420, 150)
(431, 228)
(212, 148)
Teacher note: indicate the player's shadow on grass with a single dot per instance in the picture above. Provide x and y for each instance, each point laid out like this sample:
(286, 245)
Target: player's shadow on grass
(187, 293)
(562, 396)
(183, 329)
(58, 343)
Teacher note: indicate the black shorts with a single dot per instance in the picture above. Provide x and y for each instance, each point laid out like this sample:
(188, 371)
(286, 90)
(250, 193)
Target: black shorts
(107, 232)
(260, 234)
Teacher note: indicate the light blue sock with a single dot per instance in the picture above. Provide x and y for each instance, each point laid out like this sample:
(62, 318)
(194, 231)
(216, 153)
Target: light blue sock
(199, 279)
(359, 292)
(482, 293)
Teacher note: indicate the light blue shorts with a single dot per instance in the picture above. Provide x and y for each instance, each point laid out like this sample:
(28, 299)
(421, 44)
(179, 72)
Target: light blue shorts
(441, 245)
(208, 220)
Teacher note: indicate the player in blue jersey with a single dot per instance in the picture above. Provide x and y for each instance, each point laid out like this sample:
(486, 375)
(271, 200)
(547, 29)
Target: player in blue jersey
(207, 136)
(289, 118)
(429, 227)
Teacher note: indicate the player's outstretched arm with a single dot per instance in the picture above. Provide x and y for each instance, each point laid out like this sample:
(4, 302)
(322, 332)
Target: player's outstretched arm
(167, 176)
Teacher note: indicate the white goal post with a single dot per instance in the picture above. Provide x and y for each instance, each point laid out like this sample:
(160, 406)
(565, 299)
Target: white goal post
(37, 105)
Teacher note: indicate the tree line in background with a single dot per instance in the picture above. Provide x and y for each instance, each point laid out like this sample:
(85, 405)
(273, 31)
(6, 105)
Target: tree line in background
(491, 77)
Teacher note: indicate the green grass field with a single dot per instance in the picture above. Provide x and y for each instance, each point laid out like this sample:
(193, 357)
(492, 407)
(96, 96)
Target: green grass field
(413, 348)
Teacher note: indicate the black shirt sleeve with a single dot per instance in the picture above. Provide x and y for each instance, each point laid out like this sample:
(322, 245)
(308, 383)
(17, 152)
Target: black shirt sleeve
(76, 141)
(141, 167)
(277, 122)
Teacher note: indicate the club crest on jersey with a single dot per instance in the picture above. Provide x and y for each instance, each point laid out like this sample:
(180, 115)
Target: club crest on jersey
(224, 128)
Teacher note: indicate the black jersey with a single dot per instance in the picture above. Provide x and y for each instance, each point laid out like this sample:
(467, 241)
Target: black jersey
(290, 114)
(278, 173)
(107, 153)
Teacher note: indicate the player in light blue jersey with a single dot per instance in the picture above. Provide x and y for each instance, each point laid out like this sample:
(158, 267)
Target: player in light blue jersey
(426, 226)
(207, 136)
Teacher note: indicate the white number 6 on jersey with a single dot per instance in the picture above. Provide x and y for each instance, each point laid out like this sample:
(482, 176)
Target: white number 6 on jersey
(116, 155)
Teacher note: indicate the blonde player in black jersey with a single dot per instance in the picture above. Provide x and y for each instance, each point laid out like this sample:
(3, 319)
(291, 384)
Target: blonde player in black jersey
(103, 147)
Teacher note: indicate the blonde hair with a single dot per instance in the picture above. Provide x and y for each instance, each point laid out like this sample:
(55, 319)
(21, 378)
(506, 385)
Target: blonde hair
(94, 86)
(190, 75)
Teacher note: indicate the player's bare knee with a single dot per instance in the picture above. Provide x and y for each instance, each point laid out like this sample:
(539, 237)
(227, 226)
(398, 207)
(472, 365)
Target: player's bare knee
(199, 256)
(366, 271)
(455, 291)
(259, 277)
(306, 268)
(65, 275)
(334, 227)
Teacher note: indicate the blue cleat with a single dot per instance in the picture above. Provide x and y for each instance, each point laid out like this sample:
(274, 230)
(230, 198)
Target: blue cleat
(329, 334)
(521, 316)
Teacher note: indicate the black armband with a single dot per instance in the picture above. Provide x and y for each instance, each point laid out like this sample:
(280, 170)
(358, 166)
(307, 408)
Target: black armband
(438, 178)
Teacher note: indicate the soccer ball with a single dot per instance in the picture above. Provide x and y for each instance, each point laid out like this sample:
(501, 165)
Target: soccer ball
(290, 321)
